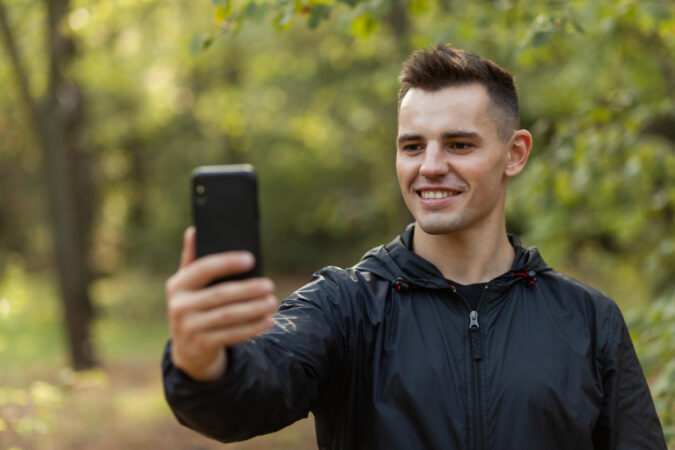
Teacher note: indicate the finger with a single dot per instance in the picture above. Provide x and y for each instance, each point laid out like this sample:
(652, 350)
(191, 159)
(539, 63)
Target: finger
(188, 253)
(231, 315)
(229, 292)
(208, 268)
(185, 305)
(240, 333)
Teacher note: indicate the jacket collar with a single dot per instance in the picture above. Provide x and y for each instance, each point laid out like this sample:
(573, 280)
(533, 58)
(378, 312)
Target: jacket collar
(397, 263)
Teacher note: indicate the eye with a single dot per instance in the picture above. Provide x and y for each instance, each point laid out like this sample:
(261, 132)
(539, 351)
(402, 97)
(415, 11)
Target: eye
(461, 145)
(411, 148)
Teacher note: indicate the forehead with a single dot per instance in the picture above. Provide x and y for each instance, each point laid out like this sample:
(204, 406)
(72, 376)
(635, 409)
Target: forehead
(465, 107)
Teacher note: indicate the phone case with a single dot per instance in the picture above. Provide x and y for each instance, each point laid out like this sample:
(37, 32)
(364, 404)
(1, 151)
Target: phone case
(225, 212)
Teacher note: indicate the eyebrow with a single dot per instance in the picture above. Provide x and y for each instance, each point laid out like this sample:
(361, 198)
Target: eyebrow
(447, 135)
(409, 137)
(461, 134)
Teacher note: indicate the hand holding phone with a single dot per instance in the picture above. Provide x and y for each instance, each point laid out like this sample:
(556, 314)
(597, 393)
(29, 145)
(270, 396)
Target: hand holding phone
(207, 315)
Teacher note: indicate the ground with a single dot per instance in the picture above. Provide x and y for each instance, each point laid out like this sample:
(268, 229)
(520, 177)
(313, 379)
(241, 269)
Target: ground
(46, 406)
(122, 407)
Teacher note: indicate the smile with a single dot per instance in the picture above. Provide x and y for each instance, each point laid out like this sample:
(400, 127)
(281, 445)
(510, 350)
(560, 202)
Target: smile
(437, 194)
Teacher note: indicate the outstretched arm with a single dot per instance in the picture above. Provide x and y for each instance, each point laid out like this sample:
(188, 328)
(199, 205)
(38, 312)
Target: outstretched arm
(272, 379)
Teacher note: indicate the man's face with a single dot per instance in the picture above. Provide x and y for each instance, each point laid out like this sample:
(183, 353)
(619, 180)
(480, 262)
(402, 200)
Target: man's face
(450, 161)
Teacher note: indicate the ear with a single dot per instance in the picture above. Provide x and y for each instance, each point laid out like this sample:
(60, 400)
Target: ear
(519, 150)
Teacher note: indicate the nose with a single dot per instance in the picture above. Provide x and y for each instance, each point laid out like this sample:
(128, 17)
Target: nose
(434, 163)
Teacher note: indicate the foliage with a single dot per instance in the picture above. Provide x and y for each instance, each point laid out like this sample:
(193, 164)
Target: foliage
(603, 177)
(27, 308)
(318, 122)
(24, 411)
(26, 337)
(653, 333)
(360, 19)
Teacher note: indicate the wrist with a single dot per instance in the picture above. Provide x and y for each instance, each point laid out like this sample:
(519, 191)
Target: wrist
(215, 369)
(210, 371)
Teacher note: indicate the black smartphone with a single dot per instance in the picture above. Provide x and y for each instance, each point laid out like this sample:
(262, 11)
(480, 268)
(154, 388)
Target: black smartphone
(225, 212)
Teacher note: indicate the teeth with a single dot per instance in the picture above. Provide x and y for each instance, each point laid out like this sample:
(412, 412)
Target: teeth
(437, 194)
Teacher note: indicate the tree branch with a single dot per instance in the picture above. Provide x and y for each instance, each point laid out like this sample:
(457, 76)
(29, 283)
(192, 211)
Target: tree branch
(19, 70)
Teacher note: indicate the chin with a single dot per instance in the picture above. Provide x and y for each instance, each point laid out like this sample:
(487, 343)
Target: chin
(437, 227)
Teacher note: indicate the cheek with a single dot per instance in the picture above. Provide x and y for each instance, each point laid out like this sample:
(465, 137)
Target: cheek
(403, 171)
(486, 174)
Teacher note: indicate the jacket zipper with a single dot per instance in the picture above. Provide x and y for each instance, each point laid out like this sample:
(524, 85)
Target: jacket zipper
(476, 356)
(476, 349)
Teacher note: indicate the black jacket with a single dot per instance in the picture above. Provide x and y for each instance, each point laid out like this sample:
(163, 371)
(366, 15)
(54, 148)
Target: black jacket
(387, 356)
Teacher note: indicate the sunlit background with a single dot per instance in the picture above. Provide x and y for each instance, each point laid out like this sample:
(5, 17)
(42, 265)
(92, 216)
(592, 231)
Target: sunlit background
(106, 106)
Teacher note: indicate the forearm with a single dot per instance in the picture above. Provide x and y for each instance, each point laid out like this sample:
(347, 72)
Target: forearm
(250, 399)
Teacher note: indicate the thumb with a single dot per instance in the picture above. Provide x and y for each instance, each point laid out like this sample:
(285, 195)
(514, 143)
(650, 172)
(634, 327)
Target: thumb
(188, 253)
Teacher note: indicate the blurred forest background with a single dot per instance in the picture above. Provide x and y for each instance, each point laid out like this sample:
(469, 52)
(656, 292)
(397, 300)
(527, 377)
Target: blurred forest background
(106, 106)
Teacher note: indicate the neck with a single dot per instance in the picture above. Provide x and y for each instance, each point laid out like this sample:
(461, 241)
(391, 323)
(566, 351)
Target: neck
(466, 256)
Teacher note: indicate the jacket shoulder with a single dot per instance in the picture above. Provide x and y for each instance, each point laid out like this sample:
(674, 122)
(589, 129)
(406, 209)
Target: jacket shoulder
(340, 288)
(575, 290)
(354, 278)
(358, 293)
(569, 297)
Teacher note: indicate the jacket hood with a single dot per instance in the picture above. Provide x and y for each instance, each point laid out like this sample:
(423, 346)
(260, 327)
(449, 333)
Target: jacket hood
(397, 263)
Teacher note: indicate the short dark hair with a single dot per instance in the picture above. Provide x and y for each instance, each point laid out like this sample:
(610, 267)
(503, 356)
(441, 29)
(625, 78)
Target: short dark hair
(442, 66)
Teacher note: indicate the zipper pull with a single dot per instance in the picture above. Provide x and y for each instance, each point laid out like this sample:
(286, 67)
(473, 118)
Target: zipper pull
(473, 316)
(474, 336)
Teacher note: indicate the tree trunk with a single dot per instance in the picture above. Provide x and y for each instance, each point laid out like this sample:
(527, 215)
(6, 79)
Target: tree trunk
(69, 236)
(62, 177)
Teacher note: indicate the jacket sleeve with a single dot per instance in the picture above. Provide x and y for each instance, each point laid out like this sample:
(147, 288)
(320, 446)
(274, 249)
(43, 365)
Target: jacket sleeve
(274, 379)
(628, 419)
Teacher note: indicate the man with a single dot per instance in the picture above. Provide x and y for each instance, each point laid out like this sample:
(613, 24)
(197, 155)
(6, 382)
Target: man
(452, 336)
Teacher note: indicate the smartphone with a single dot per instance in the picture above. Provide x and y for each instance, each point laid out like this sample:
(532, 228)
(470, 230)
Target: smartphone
(225, 212)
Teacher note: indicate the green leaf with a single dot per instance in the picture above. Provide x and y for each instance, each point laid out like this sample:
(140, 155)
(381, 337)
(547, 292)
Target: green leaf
(207, 42)
(317, 14)
(540, 38)
(222, 12)
(283, 20)
(418, 6)
(364, 25)
(351, 3)
(196, 44)
(251, 9)
(577, 26)
(256, 11)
